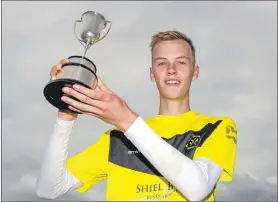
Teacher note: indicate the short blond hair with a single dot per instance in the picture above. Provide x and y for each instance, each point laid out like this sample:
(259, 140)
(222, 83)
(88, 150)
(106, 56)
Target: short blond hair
(172, 35)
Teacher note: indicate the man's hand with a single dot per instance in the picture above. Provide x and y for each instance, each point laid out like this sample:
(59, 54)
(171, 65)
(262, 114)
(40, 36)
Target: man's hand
(103, 104)
(55, 71)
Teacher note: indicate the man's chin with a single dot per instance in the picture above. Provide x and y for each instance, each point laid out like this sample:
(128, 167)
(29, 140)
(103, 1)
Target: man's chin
(174, 97)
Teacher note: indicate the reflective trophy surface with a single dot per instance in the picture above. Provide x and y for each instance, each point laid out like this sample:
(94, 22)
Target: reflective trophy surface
(80, 70)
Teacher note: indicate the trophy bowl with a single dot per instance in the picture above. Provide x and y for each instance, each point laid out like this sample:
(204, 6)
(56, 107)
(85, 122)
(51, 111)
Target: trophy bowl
(72, 73)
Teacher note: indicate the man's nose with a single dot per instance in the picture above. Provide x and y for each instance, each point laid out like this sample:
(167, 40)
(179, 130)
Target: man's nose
(171, 69)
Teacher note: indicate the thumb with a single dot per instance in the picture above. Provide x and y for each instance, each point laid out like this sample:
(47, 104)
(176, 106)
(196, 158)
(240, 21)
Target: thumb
(101, 85)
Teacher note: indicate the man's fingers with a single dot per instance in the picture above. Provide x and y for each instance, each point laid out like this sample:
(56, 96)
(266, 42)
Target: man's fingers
(94, 85)
(96, 95)
(84, 108)
(64, 61)
(58, 67)
(61, 63)
(101, 85)
(83, 98)
(53, 70)
(77, 110)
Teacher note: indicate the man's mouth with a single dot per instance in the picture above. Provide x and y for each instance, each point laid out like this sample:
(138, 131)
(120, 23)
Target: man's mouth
(172, 82)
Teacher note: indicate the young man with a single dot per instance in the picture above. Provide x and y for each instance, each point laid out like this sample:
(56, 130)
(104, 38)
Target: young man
(177, 155)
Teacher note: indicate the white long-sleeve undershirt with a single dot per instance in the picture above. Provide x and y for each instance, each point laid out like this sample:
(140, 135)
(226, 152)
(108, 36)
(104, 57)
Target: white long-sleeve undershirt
(54, 180)
(194, 179)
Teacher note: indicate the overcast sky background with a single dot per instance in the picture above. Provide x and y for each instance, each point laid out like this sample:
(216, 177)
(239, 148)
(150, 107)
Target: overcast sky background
(236, 45)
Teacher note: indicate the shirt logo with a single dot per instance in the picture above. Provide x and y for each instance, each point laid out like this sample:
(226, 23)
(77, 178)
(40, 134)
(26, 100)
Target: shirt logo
(230, 129)
(133, 152)
(193, 142)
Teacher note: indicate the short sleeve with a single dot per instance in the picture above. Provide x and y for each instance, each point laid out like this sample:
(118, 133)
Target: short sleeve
(220, 148)
(90, 165)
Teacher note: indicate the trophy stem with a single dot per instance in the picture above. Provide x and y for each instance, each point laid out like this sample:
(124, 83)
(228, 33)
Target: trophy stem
(86, 47)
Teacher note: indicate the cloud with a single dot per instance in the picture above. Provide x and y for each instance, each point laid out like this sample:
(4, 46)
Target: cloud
(272, 180)
(247, 188)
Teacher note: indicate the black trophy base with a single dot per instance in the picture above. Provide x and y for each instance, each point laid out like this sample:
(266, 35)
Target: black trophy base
(53, 93)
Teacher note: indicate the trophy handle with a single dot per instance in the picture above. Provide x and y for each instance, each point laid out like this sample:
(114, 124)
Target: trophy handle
(110, 24)
(77, 21)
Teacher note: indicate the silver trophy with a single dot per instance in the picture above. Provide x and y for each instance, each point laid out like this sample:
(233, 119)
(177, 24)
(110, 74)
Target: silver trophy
(80, 70)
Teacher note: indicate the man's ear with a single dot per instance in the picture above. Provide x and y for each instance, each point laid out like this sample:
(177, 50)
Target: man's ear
(152, 74)
(196, 72)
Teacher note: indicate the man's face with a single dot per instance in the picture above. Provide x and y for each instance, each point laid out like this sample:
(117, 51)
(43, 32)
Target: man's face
(172, 68)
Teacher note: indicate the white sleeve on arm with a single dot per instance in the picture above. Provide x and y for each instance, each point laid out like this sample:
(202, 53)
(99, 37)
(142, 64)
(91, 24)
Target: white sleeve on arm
(54, 180)
(194, 179)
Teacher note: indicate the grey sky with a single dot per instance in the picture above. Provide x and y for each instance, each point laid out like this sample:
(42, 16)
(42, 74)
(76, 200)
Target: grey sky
(236, 45)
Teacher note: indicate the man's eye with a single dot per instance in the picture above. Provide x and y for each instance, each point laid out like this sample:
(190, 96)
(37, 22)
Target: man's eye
(181, 62)
(161, 63)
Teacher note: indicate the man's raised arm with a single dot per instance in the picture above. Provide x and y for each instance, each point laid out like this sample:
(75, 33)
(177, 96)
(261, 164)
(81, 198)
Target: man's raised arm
(54, 180)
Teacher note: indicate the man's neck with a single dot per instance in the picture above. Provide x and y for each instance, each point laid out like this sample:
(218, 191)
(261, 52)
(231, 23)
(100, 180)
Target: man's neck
(174, 107)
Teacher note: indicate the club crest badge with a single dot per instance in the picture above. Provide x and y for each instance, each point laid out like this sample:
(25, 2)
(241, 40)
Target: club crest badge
(193, 142)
